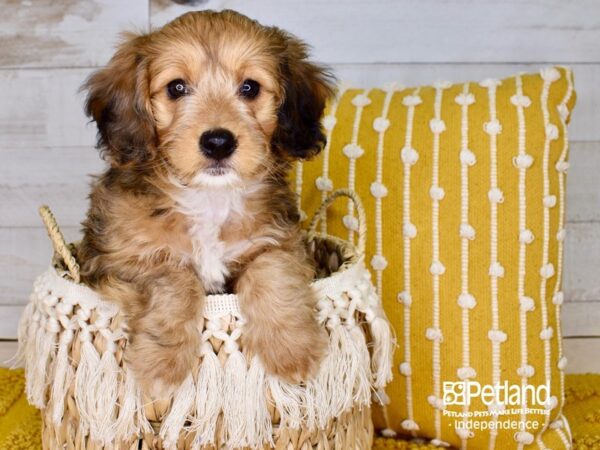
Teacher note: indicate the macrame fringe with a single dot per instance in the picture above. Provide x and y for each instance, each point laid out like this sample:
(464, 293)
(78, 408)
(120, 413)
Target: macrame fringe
(130, 407)
(62, 377)
(105, 391)
(182, 405)
(363, 381)
(233, 407)
(341, 379)
(259, 429)
(33, 384)
(288, 402)
(45, 347)
(229, 404)
(383, 351)
(209, 394)
(84, 379)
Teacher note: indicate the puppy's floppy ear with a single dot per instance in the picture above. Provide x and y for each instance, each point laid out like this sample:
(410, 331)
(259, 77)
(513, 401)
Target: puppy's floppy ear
(306, 88)
(118, 101)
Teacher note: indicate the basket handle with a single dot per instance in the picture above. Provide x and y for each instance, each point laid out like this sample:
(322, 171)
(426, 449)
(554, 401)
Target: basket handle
(362, 221)
(58, 242)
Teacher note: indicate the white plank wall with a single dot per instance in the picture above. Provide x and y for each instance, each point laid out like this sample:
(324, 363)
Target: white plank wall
(49, 48)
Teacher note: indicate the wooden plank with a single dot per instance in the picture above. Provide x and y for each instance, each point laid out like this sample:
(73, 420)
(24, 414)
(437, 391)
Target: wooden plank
(7, 350)
(581, 319)
(582, 355)
(582, 259)
(425, 30)
(24, 254)
(46, 33)
(583, 195)
(43, 108)
(9, 320)
(58, 177)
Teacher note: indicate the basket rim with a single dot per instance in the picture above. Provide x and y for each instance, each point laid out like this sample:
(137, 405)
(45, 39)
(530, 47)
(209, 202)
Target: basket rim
(220, 304)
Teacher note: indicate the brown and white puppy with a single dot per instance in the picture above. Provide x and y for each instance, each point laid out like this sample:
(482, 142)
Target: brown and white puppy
(200, 121)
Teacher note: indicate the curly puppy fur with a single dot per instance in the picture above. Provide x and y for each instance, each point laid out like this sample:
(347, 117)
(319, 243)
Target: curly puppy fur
(169, 224)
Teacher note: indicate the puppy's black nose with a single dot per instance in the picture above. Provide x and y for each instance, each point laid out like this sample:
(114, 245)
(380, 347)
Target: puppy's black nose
(218, 143)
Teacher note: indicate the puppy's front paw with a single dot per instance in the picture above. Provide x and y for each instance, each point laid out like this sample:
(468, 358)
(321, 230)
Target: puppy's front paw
(294, 354)
(159, 369)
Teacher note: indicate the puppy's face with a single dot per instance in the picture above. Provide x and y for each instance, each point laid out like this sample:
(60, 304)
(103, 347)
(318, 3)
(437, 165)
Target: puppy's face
(214, 97)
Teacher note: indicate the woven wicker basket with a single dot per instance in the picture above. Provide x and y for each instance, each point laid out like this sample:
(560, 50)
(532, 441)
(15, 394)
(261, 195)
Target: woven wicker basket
(72, 344)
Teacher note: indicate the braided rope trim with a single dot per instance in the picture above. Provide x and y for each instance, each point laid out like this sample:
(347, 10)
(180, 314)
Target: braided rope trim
(58, 242)
(362, 216)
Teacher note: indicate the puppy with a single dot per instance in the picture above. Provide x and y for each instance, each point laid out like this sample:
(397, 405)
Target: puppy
(200, 121)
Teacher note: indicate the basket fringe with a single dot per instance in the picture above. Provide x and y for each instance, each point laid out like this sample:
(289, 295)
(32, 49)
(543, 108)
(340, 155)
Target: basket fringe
(383, 350)
(107, 391)
(182, 405)
(342, 372)
(315, 414)
(63, 375)
(363, 381)
(125, 426)
(288, 402)
(84, 381)
(45, 347)
(31, 353)
(259, 429)
(209, 393)
(233, 406)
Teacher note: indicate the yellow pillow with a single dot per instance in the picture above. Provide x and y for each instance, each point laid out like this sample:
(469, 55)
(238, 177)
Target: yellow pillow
(464, 186)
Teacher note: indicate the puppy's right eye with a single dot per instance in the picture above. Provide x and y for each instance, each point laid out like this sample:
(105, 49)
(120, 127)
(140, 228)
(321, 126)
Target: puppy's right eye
(177, 88)
(249, 89)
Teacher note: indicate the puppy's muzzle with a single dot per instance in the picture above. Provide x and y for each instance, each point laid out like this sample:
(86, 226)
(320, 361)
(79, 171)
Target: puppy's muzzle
(217, 143)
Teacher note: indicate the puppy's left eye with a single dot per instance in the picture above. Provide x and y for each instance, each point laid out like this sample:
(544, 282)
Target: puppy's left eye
(177, 88)
(249, 89)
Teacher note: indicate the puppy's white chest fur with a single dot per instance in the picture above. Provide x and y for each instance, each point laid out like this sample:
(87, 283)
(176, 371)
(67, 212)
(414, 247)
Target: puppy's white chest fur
(208, 210)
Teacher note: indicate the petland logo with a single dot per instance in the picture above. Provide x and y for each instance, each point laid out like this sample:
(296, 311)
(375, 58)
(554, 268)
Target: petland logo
(461, 393)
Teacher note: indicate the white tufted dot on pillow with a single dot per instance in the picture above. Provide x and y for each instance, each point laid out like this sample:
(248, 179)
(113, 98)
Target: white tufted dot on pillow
(495, 195)
(409, 230)
(412, 100)
(527, 304)
(467, 157)
(497, 336)
(405, 369)
(466, 301)
(436, 193)
(465, 99)
(353, 151)
(409, 156)
(523, 161)
(405, 298)
(329, 122)
(381, 124)
(492, 127)
(467, 231)
(361, 100)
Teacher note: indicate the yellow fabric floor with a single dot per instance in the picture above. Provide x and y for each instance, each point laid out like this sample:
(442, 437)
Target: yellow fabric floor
(20, 423)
